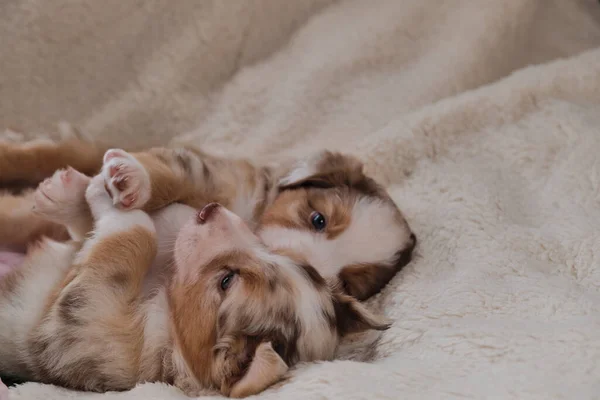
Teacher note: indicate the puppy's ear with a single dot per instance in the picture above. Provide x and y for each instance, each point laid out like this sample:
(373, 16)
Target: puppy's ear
(266, 368)
(324, 170)
(353, 317)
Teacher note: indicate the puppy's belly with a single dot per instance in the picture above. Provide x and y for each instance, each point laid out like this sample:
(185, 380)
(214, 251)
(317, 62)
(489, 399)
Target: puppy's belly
(21, 308)
(9, 260)
(168, 222)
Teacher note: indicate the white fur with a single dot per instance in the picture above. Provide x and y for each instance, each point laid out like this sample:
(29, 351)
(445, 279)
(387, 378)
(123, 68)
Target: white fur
(130, 169)
(26, 308)
(488, 145)
(108, 219)
(369, 238)
(310, 308)
(245, 203)
(302, 170)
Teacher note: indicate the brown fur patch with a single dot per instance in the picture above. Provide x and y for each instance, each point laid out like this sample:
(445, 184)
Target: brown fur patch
(314, 276)
(20, 226)
(334, 169)
(70, 303)
(218, 342)
(364, 281)
(125, 255)
(293, 209)
(353, 317)
(32, 162)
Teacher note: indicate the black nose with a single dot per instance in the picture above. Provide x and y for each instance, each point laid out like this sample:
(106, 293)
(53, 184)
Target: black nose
(208, 210)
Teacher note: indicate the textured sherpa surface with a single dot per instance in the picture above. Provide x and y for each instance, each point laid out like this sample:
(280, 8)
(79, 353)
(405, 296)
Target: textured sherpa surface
(481, 116)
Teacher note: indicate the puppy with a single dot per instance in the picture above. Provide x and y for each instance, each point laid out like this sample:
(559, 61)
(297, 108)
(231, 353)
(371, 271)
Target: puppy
(232, 316)
(322, 209)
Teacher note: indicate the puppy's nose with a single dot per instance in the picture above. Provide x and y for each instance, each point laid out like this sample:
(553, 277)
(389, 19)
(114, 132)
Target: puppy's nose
(207, 211)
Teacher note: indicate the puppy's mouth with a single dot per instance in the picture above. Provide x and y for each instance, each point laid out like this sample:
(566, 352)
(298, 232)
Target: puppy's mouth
(207, 212)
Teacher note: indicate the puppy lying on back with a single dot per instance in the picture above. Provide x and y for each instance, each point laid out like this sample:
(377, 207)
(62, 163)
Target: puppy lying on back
(231, 316)
(323, 209)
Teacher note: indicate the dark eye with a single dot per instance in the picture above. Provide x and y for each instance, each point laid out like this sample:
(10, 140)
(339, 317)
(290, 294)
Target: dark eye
(318, 220)
(227, 280)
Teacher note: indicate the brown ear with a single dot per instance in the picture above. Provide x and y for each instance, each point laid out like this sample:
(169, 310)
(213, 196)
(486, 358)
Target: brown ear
(353, 317)
(266, 368)
(325, 169)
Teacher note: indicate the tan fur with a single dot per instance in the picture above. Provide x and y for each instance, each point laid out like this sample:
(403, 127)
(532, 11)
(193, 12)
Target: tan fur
(293, 209)
(76, 314)
(266, 368)
(19, 226)
(31, 162)
(331, 183)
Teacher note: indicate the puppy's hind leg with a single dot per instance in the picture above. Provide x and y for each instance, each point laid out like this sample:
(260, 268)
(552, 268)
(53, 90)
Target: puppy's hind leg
(61, 199)
(99, 297)
(20, 225)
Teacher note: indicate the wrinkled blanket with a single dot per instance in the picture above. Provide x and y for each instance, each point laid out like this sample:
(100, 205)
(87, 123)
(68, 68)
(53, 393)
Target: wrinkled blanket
(481, 116)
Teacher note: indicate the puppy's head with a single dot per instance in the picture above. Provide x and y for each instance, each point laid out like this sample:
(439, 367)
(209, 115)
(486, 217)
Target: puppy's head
(341, 221)
(243, 315)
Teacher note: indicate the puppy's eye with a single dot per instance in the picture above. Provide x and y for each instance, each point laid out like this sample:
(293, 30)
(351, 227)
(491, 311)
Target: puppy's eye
(318, 220)
(227, 281)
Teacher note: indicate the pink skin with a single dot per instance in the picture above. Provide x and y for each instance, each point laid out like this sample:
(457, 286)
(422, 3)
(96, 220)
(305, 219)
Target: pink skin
(213, 230)
(58, 189)
(3, 391)
(9, 260)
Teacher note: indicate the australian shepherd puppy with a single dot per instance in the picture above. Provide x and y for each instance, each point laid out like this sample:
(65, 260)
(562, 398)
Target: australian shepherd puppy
(323, 209)
(231, 314)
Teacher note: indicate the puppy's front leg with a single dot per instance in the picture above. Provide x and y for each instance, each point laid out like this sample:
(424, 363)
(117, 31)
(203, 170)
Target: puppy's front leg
(143, 180)
(92, 333)
(30, 162)
(158, 177)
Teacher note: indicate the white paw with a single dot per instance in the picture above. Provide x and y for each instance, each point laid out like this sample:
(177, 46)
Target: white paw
(126, 179)
(62, 194)
(98, 197)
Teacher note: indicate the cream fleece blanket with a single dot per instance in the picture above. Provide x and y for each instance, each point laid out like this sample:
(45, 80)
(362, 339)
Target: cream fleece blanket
(482, 117)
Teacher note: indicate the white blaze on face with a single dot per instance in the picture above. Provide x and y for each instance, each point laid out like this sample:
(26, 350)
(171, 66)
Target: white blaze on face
(374, 235)
(317, 340)
(197, 244)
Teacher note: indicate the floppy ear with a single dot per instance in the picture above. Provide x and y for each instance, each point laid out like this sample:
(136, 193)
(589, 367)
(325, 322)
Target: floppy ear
(353, 317)
(266, 368)
(325, 169)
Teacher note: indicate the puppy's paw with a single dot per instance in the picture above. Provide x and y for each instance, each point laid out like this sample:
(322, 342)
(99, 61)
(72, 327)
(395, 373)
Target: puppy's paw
(126, 179)
(97, 197)
(61, 196)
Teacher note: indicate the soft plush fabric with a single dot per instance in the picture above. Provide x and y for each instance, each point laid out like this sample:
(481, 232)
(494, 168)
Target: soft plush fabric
(481, 116)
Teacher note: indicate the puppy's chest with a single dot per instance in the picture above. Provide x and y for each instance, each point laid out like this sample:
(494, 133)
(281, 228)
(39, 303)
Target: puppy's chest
(155, 361)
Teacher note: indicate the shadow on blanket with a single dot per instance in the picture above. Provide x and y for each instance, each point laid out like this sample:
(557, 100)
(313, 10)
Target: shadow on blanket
(10, 381)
